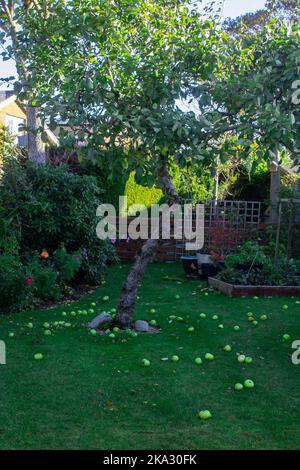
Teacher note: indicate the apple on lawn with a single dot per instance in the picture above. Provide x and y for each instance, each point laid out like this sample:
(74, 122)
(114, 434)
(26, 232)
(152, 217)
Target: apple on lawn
(84, 312)
(179, 319)
(30, 325)
(248, 360)
(249, 383)
(105, 298)
(116, 329)
(255, 323)
(93, 304)
(202, 315)
(64, 314)
(46, 325)
(73, 314)
(198, 360)
(285, 307)
(286, 337)
(227, 348)
(238, 386)
(113, 310)
(146, 362)
(11, 335)
(177, 296)
(236, 328)
(191, 328)
(111, 335)
(38, 356)
(93, 332)
(175, 358)
(205, 414)
(221, 326)
(152, 322)
(241, 358)
(91, 310)
(47, 333)
(215, 317)
(263, 317)
(152, 311)
(209, 357)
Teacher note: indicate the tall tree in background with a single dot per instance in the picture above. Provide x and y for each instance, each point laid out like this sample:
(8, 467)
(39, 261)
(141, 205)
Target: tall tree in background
(12, 16)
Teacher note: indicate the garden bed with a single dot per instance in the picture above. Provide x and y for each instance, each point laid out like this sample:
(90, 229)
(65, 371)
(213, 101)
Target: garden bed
(233, 290)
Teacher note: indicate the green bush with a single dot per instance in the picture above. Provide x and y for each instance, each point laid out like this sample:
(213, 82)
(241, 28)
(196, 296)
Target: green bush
(48, 207)
(66, 264)
(44, 285)
(12, 283)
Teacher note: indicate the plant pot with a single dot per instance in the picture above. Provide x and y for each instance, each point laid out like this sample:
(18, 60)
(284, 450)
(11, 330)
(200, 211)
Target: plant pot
(208, 270)
(203, 258)
(245, 267)
(190, 265)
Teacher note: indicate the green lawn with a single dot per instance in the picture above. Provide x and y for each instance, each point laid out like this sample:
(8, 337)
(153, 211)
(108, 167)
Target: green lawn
(92, 393)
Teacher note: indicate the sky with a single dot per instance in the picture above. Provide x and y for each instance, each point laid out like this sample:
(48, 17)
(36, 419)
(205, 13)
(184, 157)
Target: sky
(232, 8)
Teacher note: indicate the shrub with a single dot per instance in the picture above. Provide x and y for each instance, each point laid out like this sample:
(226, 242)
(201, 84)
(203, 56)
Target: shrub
(49, 207)
(67, 265)
(44, 285)
(12, 283)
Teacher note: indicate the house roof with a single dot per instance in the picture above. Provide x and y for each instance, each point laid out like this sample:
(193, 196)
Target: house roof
(8, 96)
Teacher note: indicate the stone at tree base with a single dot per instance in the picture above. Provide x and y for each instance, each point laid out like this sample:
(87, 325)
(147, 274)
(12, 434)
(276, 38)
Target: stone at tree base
(99, 320)
(141, 325)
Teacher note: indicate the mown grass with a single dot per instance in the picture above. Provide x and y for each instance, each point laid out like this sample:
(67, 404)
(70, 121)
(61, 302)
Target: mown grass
(92, 392)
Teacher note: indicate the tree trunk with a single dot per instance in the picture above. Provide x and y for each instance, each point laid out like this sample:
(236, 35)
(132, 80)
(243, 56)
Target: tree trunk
(36, 147)
(149, 250)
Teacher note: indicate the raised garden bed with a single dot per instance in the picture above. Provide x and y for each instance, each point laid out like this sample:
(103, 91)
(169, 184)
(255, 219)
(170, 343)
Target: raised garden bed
(261, 291)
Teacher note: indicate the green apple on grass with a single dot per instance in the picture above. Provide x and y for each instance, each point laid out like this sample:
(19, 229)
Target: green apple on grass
(146, 362)
(248, 360)
(113, 310)
(249, 383)
(221, 326)
(38, 356)
(227, 348)
(263, 317)
(286, 337)
(198, 361)
(93, 304)
(30, 325)
(175, 358)
(191, 328)
(255, 323)
(177, 296)
(238, 386)
(93, 332)
(73, 313)
(46, 325)
(47, 333)
(116, 329)
(215, 317)
(209, 357)
(236, 328)
(91, 311)
(241, 358)
(205, 414)
(64, 314)
(202, 315)
(153, 322)
(111, 335)
(11, 334)
(105, 298)
(152, 311)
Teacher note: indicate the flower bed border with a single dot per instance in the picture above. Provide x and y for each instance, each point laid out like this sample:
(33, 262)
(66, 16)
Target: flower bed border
(233, 290)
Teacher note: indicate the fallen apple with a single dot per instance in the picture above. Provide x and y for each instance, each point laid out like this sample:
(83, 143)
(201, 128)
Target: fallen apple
(152, 311)
(93, 332)
(177, 296)
(227, 348)
(179, 319)
(209, 357)
(286, 337)
(255, 323)
(47, 333)
(251, 319)
(64, 314)
(205, 414)
(111, 335)
(91, 311)
(73, 314)
(146, 362)
(248, 360)
(191, 328)
(84, 312)
(221, 326)
(236, 328)
(250, 314)
(11, 335)
(198, 360)
(238, 386)
(93, 304)
(202, 315)
(38, 356)
(46, 325)
(105, 298)
(175, 358)
(285, 307)
(241, 358)
(249, 383)
(30, 325)
(263, 317)
(152, 322)
(116, 329)
(215, 317)
(113, 310)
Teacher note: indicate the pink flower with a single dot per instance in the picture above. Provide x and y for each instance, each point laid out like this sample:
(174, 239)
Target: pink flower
(28, 280)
